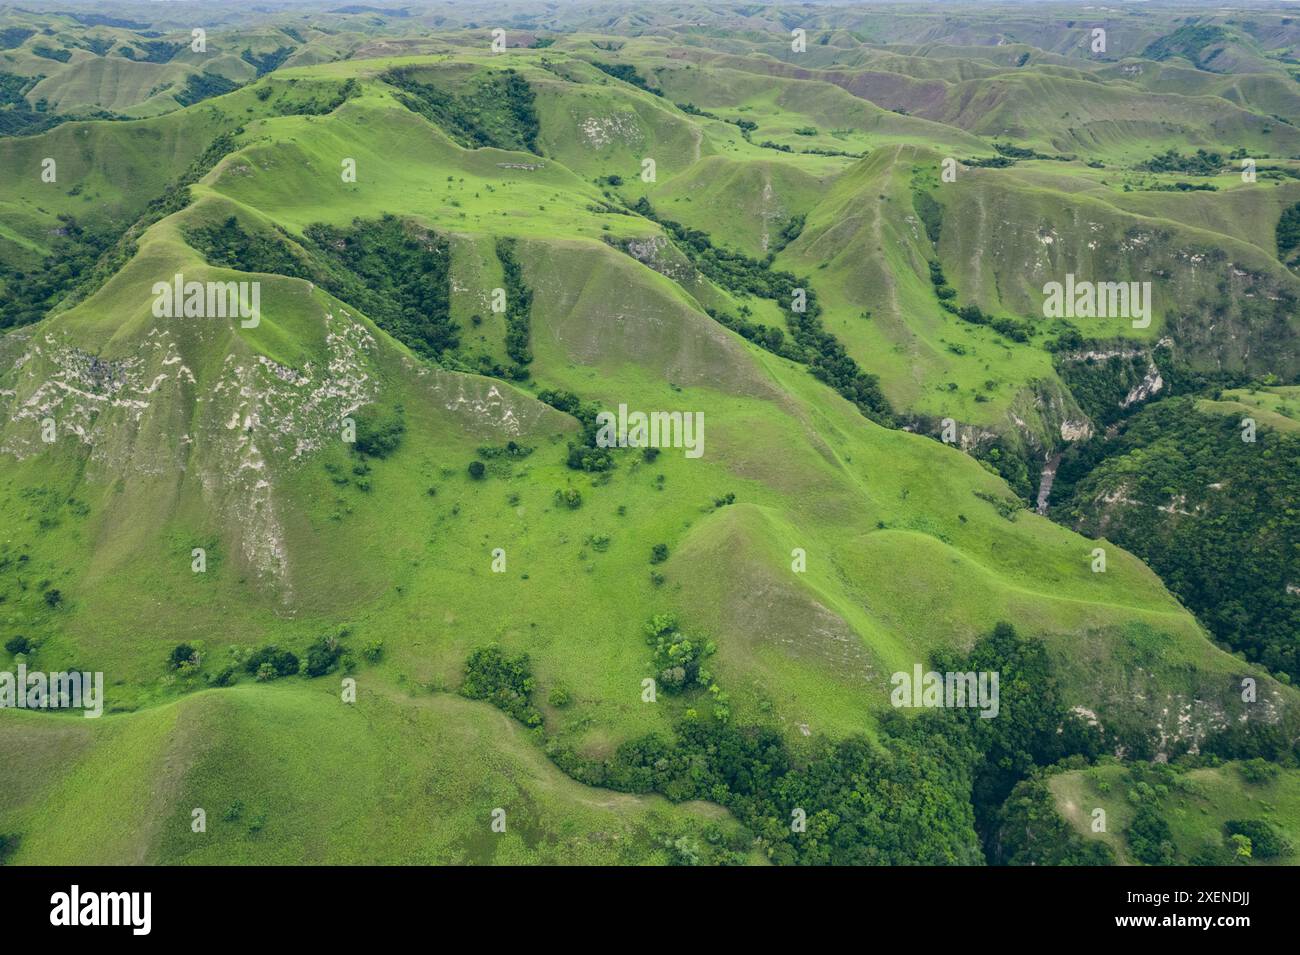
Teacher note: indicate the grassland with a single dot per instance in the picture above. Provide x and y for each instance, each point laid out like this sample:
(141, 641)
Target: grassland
(1196, 807)
(181, 434)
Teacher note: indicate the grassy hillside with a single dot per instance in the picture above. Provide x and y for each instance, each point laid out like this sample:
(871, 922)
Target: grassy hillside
(460, 257)
(292, 775)
(1196, 808)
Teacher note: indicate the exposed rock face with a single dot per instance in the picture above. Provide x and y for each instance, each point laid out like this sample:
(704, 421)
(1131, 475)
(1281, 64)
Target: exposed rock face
(148, 418)
(1148, 386)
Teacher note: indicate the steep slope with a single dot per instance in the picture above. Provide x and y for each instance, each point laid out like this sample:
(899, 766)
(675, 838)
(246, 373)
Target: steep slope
(457, 520)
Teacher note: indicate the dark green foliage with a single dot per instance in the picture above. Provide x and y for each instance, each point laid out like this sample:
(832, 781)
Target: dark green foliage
(267, 62)
(1227, 552)
(8, 846)
(1007, 327)
(17, 645)
(397, 273)
(379, 435)
(1033, 728)
(504, 681)
(13, 89)
(738, 273)
(282, 662)
(201, 86)
(1100, 385)
(1254, 739)
(584, 455)
(1266, 841)
(1288, 231)
(98, 45)
(292, 106)
(50, 53)
(1184, 187)
(1011, 467)
(765, 336)
(1187, 41)
(13, 37)
(930, 213)
(181, 654)
(1200, 163)
(1033, 832)
(497, 110)
(991, 162)
(519, 100)
(693, 110)
(678, 658)
(914, 799)
(1011, 151)
(512, 449)
(477, 470)
(322, 656)
(152, 51)
(1149, 838)
(519, 304)
(30, 293)
(789, 232)
(1016, 152)
(1257, 771)
(903, 803)
(658, 553)
(627, 73)
(228, 245)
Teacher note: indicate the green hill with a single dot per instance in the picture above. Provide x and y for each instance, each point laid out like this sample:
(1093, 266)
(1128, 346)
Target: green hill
(459, 258)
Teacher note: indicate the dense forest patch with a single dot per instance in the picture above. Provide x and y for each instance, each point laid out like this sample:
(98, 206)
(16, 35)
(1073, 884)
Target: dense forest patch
(496, 110)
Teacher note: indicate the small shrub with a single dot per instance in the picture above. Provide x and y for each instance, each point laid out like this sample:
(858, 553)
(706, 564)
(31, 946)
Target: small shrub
(280, 662)
(17, 645)
(1257, 771)
(182, 654)
(504, 681)
(1266, 841)
(322, 656)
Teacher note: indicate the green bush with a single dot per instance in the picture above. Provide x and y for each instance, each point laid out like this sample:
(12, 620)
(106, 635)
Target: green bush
(504, 681)
(17, 645)
(271, 662)
(1266, 840)
(322, 656)
(181, 654)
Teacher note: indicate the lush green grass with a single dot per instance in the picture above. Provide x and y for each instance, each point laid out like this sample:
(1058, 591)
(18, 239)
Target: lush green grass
(1277, 407)
(1195, 809)
(210, 435)
(292, 775)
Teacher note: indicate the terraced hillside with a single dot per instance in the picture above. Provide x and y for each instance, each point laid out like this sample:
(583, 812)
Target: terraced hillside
(369, 501)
